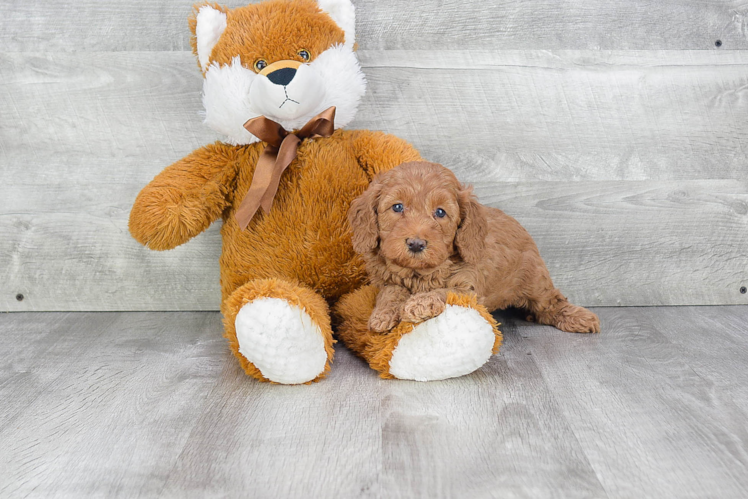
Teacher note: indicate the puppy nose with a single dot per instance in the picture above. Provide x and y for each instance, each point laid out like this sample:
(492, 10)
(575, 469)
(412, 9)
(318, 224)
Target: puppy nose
(282, 76)
(415, 245)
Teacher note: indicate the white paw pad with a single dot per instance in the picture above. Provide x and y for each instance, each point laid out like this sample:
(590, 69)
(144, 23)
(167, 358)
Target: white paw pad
(281, 340)
(455, 343)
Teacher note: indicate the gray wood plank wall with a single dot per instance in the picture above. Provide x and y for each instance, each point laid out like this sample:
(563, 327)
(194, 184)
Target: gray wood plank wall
(615, 131)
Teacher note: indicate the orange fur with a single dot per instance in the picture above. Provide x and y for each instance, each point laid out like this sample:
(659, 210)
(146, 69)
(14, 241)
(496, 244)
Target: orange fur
(471, 249)
(305, 239)
(301, 250)
(273, 30)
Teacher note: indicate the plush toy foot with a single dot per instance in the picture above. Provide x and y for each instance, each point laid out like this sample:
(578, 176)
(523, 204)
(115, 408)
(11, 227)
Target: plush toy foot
(457, 342)
(279, 331)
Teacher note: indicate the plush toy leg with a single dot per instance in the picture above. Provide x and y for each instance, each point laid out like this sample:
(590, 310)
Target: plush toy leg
(455, 343)
(279, 331)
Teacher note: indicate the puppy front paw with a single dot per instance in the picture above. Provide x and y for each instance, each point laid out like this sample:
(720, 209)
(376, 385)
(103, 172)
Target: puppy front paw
(423, 306)
(383, 320)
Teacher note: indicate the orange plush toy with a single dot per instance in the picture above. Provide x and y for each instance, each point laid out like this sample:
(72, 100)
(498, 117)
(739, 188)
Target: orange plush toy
(280, 79)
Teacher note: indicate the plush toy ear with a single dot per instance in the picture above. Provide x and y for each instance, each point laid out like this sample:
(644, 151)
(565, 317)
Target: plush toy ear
(363, 219)
(207, 27)
(471, 234)
(344, 14)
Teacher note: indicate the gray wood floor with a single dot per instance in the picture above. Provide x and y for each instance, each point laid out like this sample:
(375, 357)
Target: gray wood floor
(152, 405)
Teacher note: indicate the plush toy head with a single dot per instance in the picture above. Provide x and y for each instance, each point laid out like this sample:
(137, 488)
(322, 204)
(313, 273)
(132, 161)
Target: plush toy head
(287, 60)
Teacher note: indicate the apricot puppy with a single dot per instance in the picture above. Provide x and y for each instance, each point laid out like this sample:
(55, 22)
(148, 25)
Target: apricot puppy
(422, 234)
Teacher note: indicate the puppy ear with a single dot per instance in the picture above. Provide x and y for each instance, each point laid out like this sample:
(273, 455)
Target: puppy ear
(363, 219)
(473, 229)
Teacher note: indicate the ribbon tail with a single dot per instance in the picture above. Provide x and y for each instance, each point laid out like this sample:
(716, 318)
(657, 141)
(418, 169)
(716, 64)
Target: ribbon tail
(260, 181)
(286, 155)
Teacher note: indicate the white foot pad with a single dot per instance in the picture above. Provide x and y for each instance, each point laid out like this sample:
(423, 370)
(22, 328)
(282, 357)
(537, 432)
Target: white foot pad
(455, 343)
(281, 340)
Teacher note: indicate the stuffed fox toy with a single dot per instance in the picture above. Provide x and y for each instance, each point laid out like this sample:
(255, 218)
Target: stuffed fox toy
(281, 78)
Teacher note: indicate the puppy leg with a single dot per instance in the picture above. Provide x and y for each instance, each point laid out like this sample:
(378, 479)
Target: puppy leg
(553, 309)
(549, 306)
(424, 305)
(386, 314)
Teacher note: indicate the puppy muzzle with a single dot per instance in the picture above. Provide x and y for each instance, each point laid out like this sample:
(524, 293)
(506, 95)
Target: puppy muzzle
(416, 245)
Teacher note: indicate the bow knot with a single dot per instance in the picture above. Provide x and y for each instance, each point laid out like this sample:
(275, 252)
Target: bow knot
(280, 151)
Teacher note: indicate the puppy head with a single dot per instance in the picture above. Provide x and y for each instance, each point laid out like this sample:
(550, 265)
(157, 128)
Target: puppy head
(418, 215)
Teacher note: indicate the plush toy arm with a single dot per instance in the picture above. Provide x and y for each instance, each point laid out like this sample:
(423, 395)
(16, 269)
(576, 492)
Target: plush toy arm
(184, 199)
(378, 152)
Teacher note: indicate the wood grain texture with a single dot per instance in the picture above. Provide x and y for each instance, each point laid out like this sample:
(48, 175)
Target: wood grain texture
(509, 115)
(566, 115)
(271, 441)
(605, 243)
(638, 406)
(154, 405)
(718, 354)
(82, 133)
(636, 243)
(107, 400)
(44, 25)
(495, 433)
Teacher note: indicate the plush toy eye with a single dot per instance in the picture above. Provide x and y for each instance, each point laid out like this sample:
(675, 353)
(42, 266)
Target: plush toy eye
(398, 207)
(440, 213)
(260, 64)
(304, 54)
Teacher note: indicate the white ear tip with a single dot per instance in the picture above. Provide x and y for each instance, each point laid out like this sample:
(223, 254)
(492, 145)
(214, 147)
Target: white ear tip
(211, 24)
(344, 14)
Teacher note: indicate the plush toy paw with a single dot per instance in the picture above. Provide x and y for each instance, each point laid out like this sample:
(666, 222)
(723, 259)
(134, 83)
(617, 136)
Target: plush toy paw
(456, 342)
(281, 340)
(279, 331)
(423, 306)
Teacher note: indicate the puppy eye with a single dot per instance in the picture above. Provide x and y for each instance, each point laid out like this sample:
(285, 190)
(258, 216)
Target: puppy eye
(398, 207)
(304, 54)
(260, 64)
(440, 213)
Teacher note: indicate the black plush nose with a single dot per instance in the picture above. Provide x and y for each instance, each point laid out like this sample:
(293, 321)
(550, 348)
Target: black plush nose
(282, 76)
(415, 245)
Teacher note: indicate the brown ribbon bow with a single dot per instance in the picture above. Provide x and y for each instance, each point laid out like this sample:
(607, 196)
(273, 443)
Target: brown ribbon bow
(278, 154)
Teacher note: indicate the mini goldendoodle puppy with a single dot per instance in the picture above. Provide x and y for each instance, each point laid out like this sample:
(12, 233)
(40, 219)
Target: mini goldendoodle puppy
(423, 234)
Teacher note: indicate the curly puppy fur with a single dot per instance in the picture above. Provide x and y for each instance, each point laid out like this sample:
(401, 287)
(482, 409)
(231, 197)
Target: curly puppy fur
(422, 234)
